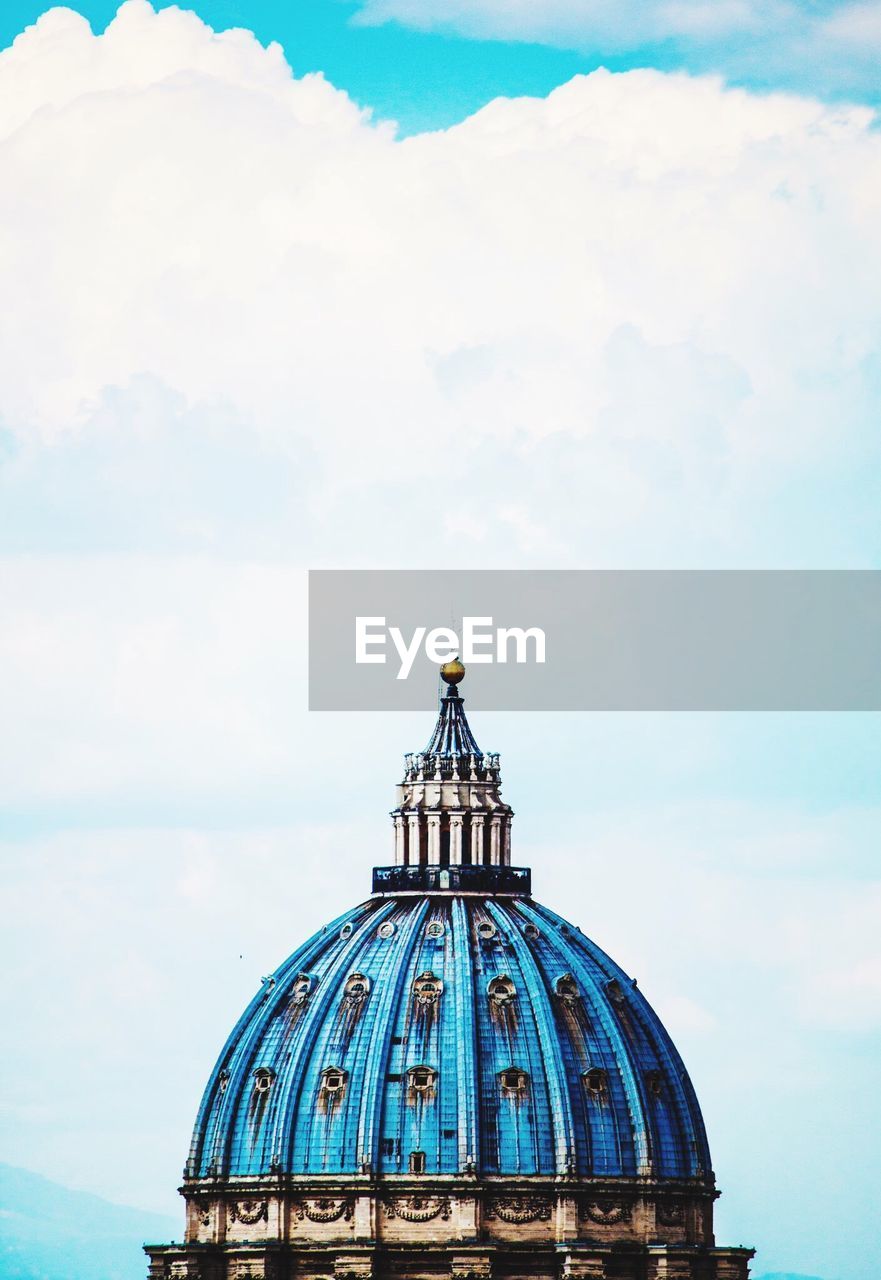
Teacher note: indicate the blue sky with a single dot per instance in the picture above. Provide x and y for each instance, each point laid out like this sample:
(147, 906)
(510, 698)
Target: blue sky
(426, 67)
(243, 323)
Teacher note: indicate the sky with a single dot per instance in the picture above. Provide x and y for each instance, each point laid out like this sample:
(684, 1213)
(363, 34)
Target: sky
(405, 284)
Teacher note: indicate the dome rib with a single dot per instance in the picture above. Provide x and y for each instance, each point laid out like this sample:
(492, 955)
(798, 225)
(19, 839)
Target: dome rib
(618, 1050)
(466, 1043)
(650, 1147)
(558, 1094)
(376, 1064)
(315, 1018)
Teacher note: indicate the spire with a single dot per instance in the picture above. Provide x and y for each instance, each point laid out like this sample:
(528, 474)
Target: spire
(452, 734)
(450, 810)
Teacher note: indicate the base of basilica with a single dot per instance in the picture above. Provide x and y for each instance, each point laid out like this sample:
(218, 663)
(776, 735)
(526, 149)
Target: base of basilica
(439, 1230)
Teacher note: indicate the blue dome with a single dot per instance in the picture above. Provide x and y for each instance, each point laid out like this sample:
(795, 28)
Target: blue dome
(449, 1033)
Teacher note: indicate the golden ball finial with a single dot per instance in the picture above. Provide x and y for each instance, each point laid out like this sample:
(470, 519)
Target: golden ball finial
(452, 671)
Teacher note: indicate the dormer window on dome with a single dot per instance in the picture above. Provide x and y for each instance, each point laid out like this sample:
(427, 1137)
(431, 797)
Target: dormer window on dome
(654, 1082)
(333, 1079)
(263, 1078)
(513, 1080)
(422, 1079)
(595, 1081)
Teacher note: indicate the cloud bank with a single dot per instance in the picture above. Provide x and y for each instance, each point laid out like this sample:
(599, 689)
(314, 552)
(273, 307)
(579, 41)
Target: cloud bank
(646, 305)
(830, 47)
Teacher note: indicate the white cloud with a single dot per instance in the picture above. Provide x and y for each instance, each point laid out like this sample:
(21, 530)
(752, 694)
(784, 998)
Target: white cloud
(646, 304)
(826, 47)
(583, 23)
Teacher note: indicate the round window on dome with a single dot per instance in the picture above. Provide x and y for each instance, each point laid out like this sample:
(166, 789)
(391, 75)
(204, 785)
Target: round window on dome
(263, 1078)
(595, 1081)
(435, 929)
(386, 929)
(530, 931)
(346, 931)
(486, 929)
(513, 1080)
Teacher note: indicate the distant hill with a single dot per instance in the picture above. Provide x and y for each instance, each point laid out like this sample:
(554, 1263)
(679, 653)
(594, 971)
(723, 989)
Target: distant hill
(785, 1275)
(48, 1232)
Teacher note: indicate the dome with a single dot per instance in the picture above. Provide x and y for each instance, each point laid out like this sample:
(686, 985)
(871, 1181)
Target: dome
(449, 1082)
(450, 1033)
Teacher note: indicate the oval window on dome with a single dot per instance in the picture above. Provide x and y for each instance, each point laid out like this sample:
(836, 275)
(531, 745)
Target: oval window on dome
(501, 990)
(346, 931)
(386, 929)
(531, 931)
(595, 1081)
(435, 929)
(513, 1080)
(486, 929)
(263, 1078)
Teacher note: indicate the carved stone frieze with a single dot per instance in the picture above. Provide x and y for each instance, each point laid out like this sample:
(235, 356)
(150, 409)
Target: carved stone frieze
(607, 1212)
(670, 1213)
(520, 1209)
(417, 1208)
(325, 1210)
(248, 1212)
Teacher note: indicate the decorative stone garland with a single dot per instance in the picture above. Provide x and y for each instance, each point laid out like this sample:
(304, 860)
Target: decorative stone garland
(324, 1210)
(608, 1212)
(418, 1208)
(670, 1213)
(520, 1209)
(248, 1212)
